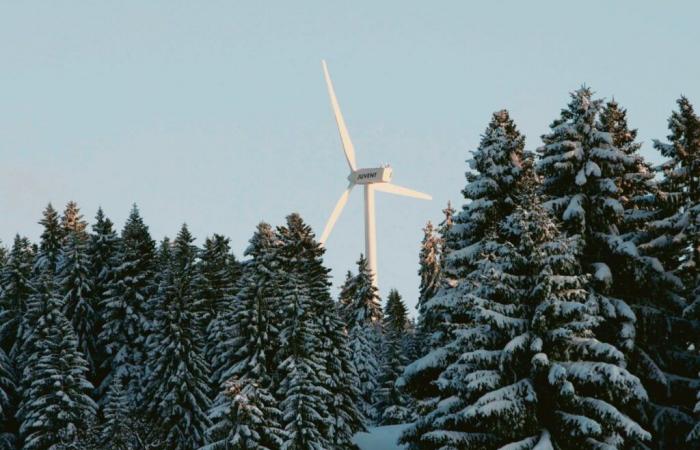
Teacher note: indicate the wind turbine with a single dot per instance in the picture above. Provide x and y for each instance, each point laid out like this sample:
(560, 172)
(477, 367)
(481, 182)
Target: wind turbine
(373, 179)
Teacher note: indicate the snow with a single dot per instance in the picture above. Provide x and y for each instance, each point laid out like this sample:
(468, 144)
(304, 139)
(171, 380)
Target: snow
(380, 438)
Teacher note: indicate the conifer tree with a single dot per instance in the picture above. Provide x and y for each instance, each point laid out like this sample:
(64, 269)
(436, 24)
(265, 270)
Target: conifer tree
(116, 431)
(72, 221)
(125, 305)
(55, 405)
(429, 265)
(345, 295)
(302, 388)
(177, 389)
(444, 229)
(364, 332)
(393, 406)
(7, 393)
(103, 249)
(15, 289)
(530, 372)
(248, 420)
(73, 280)
(50, 242)
(668, 320)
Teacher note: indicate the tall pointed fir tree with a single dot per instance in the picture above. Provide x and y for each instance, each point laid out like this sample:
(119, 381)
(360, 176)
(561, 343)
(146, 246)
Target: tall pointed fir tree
(116, 431)
(177, 388)
(530, 373)
(303, 389)
(8, 387)
(492, 184)
(125, 305)
(444, 229)
(669, 324)
(220, 273)
(345, 295)
(15, 289)
(364, 319)
(393, 406)
(430, 271)
(72, 221)
(103, 248)
(305, 254)
(73, 280)
(244, 413)
(50, 241)
(55, 405)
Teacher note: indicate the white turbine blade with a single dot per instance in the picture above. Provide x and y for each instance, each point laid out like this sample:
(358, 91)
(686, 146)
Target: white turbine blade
(344, 135)
(335, 214)
(398, 190)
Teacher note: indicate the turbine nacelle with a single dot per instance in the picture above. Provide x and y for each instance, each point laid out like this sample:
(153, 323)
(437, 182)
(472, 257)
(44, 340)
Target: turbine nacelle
(369, 176)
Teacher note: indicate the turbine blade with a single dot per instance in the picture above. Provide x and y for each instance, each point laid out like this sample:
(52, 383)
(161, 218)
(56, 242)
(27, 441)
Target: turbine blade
(399, 190)
(344, 135)
(335, 214)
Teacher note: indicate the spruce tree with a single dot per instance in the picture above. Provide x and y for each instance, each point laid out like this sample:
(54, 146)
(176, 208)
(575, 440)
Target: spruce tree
(303, 389)
(177, 389)
(364, 332)
(444, 230)
(7, 394)
(393, 406)
(73, 279)
(103, 248)
(51, 240)
(15, 289)
(248, 420)
(72, 221)
(116, 430)
(125, 305)
(530, 372)
(55, 406)
(429, 265)
(668, 320)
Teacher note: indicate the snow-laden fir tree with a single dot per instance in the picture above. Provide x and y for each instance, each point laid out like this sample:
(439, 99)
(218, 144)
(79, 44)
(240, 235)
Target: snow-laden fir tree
(15, 288)
(103, 248)
(247, 420)
(345, 295)
(7, 393)
(496, 167)
(444, 229)
(668, 324)
(529, 372)
(636, 183)
(393, 406)
(245, 337)
(73, 280)
(50, 241)
(492, 185)
(302, 387)
(177, 387)
(55, 404)
(428, 265)
(124, 307)
(117, 428)
(304, 254)
(72, 221)
(363, 321)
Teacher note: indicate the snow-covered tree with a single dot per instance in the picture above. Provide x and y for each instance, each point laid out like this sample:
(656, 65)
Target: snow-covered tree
(72, 221)
(103, 253)
(73, 279)
(525, 368)
(303, 387)
(429, 265)
(50, 241)
(7, 394)
(496, 167)
(178, 384)
(15, 289)
(55, 403)
(393, 406)
(248, 420)
(363, 320)
(345, 295)
(124, 307)
(444, 229)
(116, 431)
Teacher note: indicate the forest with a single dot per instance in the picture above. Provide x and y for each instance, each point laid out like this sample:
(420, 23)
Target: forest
(559, 309)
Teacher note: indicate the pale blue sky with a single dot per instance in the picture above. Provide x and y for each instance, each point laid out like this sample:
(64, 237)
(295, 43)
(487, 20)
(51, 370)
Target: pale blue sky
(215, 113)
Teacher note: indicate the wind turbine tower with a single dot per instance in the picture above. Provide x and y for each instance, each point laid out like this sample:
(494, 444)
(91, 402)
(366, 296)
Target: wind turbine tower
(374, 179)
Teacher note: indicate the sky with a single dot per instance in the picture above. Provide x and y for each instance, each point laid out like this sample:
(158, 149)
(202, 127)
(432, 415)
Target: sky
(216, 113)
